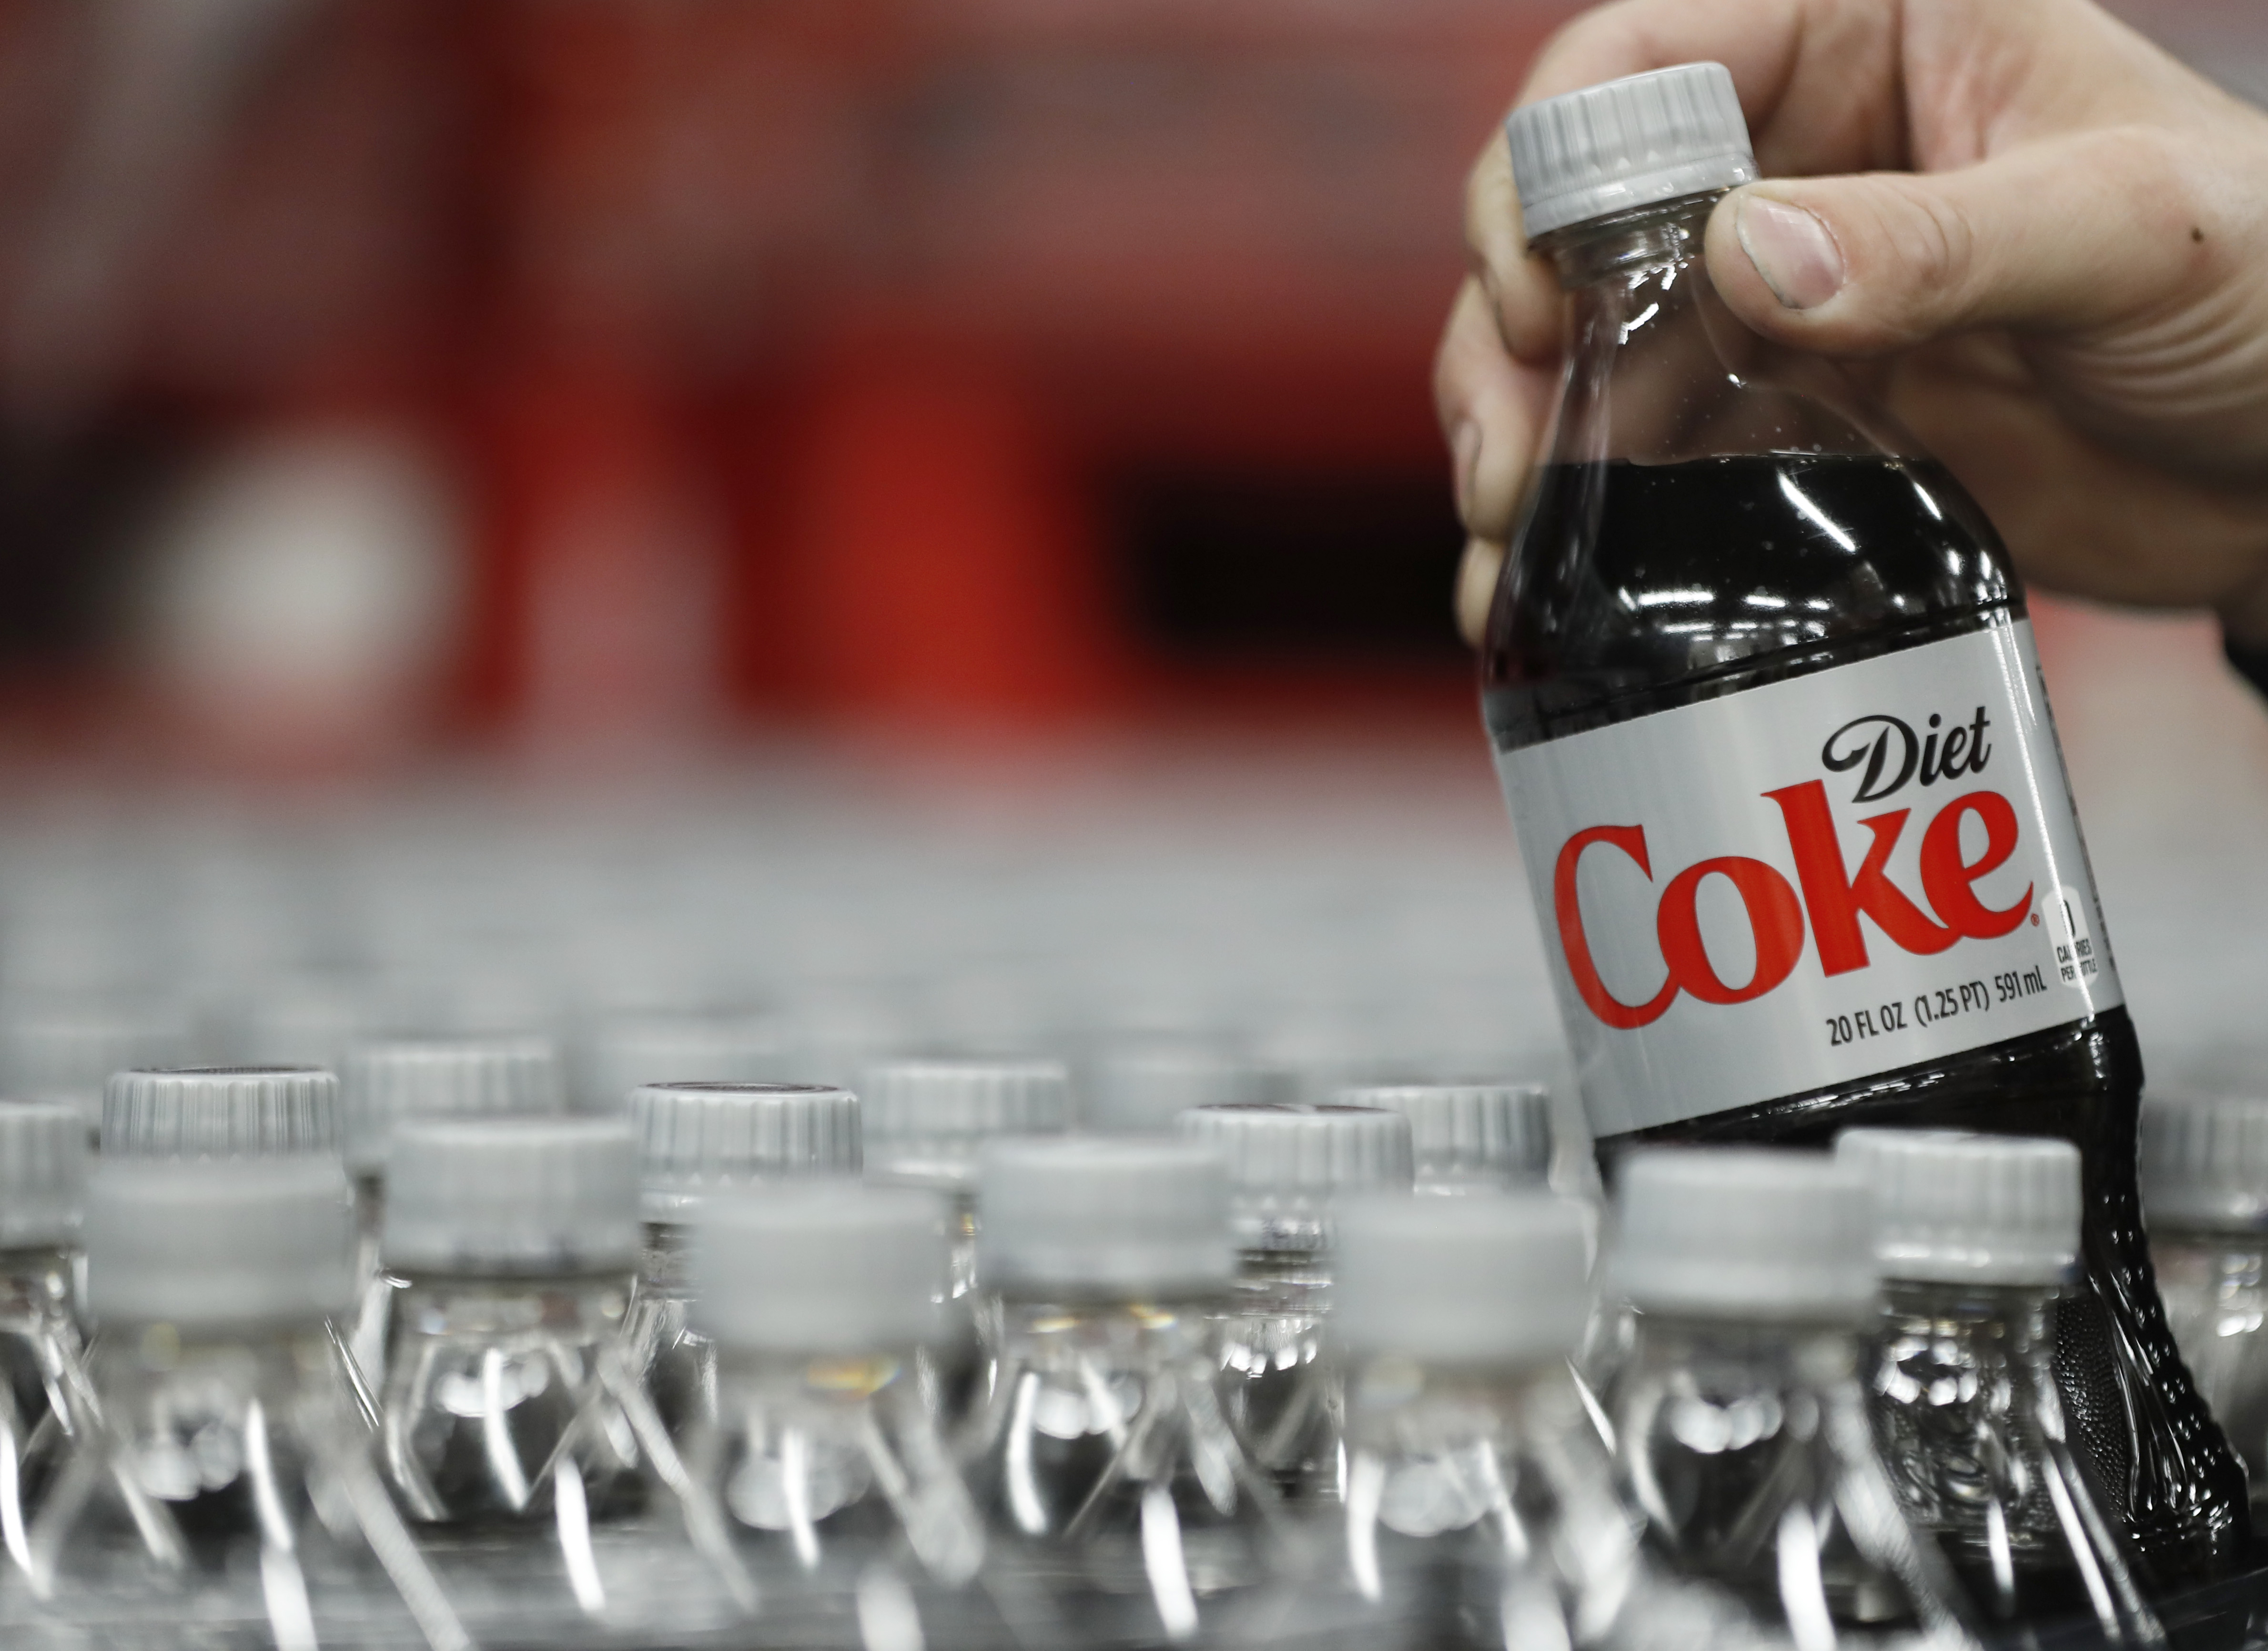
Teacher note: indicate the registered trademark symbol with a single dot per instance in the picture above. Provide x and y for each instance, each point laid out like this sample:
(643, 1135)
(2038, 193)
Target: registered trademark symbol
(2035, 920)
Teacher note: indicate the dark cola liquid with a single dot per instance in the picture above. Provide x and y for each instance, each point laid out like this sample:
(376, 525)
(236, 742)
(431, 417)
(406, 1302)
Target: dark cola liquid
(1639, 588)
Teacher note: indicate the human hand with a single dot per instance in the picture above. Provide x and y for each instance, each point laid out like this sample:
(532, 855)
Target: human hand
(2052, 237)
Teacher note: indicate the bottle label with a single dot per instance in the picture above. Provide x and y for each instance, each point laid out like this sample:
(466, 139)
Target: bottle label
(1807, 883)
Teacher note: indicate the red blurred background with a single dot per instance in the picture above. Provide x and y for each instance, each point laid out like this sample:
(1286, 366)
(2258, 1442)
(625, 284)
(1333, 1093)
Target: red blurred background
(607, 376)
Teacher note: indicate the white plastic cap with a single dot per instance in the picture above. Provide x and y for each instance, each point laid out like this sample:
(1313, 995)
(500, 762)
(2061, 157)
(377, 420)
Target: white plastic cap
(1955, 1207)
(42, 1172)
(2204, 1162)
(1471, 1136)
(1091, 1216)
(1469, 1281)
(1139, 1089)
(820, 1267)
(65, 1048)
(1288, 1163)
(1744, 1232)
(218, 1242)
(443, 1077)
(512, 1195)
(697, 1139)
(632, 1050)
(1628, 143)
(220, 1112)
(925, 1119)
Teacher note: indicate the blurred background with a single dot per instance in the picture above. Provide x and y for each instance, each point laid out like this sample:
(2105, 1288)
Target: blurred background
(969, 433)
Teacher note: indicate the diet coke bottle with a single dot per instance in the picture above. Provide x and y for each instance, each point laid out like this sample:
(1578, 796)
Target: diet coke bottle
(1766, 707)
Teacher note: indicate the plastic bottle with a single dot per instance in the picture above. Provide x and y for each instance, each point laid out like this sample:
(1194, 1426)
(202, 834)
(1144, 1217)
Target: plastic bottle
(844, 1502)
(924, 1120)
(225, 1496)
(1469, 1137)
(697, 1140)
(515, 1435)
(2204, 1192)
(402, 1078)
(1977, 1237)
(1104, 1466)
(1741, 1429)
(44, 1396)
(1480, 1511)
(1289, 1165)
(1770, 719)
(922, 1123)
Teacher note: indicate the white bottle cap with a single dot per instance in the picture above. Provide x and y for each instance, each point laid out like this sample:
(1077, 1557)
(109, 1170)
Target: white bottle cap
(1287, 1163)
(631, 1050)
(1744, 1232)
(1628, 143)
(219, 1240)
(1955, 1207)
(1467, 1281)
(65, 1048)
(1471, 1135)
(697, 1139)
(1089, 1215)
(443, 1077)
(42, 1172)
(820, 1267)
(220, 1112)
(511, 1196)
(1139, 1089)
(2204, 1163)
(924, 1119)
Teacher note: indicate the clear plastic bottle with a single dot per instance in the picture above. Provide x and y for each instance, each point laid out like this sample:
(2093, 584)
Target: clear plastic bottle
(402, 1078)
(1770, 723)
(1741, 1428)
(1480, 1511)
(1104, 1466)
(696, 1141)
(922, 1123)
(844, 1502)
(1289, 1164)
(224, 1494)
(1977, 1237)
(1469, 1137)
(45, 1401)
(2204, 1194)
(516, 1437)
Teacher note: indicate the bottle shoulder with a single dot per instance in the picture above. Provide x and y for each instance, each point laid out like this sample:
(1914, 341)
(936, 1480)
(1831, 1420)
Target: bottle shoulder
(1634, 588)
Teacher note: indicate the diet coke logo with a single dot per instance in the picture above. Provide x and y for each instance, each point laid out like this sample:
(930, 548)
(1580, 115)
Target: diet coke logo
(1829, 895)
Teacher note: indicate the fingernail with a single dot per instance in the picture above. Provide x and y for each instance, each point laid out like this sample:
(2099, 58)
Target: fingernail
(1792, 251)
(1465, 460)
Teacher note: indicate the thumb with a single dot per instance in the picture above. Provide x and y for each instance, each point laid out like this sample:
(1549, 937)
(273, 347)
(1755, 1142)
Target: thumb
(2073, 235)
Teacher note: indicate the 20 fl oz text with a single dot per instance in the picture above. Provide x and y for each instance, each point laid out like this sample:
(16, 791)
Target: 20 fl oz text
(1927, 1008)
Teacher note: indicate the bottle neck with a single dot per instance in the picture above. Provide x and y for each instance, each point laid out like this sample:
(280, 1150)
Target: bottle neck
(1102, 1335)
(576, 1307)
(1761, 1354)
(1401, 1405)
(1646, 241)
(2009, 1330)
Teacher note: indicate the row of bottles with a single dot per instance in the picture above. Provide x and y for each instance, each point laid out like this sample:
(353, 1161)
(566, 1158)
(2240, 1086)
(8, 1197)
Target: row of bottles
(682, 1376)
